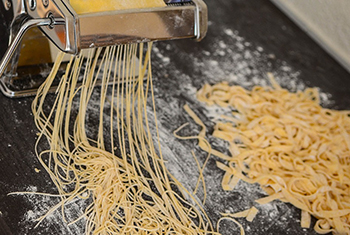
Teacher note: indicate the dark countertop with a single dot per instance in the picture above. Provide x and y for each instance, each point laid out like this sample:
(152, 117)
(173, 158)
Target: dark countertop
(245, 40)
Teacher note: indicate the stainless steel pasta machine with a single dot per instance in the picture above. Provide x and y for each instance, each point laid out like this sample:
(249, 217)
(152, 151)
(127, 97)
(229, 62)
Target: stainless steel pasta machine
(71, 32)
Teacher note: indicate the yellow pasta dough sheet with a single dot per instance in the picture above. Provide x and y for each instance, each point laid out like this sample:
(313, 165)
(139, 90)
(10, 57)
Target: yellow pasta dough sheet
(90, 6)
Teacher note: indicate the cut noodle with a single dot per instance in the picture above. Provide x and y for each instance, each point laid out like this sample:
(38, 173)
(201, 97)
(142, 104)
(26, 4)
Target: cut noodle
(248, 214)
(296, 150)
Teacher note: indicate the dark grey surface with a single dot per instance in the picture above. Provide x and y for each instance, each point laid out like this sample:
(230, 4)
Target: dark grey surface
(258, 22)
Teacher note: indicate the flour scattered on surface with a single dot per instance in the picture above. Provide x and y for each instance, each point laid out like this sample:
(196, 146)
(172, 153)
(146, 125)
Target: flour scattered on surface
(207, 53)
(163, 58)
(31, 189)
(31, 215)
(233, 59)
(229, 32)
(41, 205)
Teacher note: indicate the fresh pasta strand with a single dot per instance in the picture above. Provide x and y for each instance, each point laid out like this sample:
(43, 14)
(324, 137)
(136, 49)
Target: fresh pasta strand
(233, 220)
(125, 176)
(248, 214)
(296, 150)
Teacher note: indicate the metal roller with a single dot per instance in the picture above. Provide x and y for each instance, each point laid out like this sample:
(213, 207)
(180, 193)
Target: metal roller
(70, 32)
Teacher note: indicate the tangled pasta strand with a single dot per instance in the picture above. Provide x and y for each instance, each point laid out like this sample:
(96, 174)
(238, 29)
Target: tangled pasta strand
(130, 189)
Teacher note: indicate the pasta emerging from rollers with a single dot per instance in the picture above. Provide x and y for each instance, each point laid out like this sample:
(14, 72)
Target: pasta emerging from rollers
(296, 150)
(130, 188)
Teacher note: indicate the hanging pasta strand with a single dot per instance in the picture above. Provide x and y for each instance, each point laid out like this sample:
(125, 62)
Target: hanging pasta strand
(124, 175)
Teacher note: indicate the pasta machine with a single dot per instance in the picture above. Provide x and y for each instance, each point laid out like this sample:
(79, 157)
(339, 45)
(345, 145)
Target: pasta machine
(71, 32)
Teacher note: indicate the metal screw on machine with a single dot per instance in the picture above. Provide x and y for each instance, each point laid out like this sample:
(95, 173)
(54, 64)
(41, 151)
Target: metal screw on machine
(45, 3)
(52, 18)
(32, 4)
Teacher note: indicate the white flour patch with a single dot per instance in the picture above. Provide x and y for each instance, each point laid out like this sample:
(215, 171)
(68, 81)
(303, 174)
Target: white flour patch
(165, 60)
(269, 208)
(40, 207)
(247, 66)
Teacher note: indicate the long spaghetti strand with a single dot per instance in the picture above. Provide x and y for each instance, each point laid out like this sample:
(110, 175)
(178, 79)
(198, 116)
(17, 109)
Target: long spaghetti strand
(128, 185)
